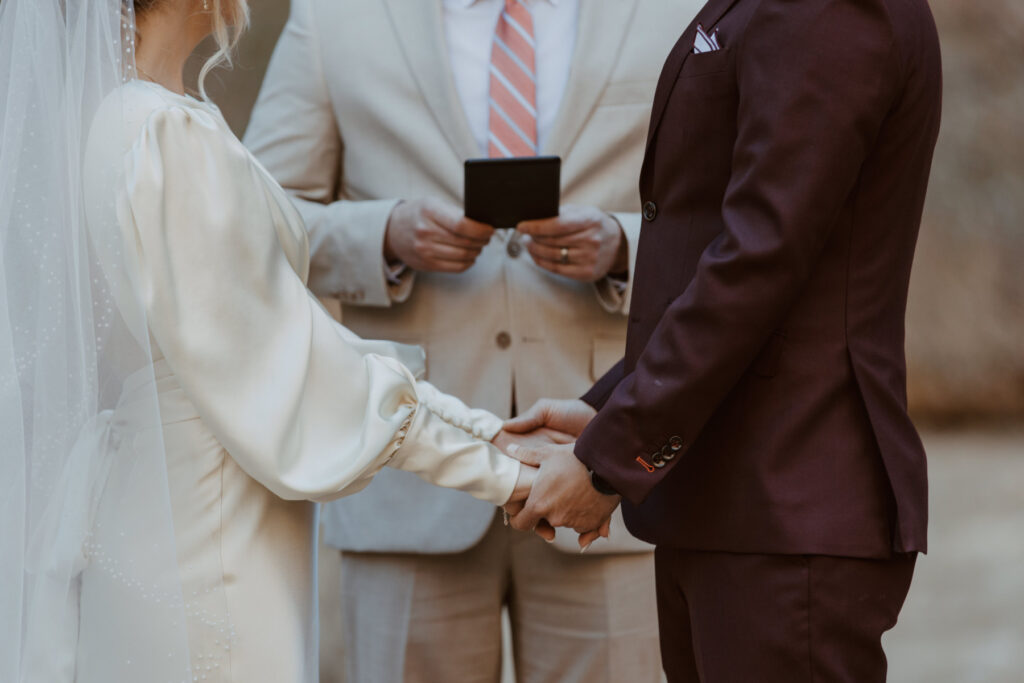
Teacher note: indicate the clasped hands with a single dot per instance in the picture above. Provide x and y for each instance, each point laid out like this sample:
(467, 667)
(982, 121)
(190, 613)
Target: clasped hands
(555, 488)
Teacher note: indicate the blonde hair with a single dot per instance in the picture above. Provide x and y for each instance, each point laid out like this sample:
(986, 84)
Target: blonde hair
(230, 20)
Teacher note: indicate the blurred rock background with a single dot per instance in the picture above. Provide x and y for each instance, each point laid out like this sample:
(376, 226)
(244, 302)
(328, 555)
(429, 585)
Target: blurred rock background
(965, 351)
(965, 335)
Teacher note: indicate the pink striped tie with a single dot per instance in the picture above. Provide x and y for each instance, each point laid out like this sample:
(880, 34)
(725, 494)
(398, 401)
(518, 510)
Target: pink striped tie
(513, 96)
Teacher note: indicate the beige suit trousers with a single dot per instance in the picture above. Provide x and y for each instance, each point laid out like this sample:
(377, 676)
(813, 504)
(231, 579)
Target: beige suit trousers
(437, 618)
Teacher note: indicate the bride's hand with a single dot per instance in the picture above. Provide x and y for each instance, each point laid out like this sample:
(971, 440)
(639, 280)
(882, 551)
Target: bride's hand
(527, 477)
(524, 484)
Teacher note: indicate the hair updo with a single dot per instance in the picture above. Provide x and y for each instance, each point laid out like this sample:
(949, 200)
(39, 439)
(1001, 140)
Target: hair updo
(143, 5)
(230, 19)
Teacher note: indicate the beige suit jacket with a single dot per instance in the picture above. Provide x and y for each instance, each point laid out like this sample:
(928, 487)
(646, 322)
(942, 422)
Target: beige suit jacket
(359, 110)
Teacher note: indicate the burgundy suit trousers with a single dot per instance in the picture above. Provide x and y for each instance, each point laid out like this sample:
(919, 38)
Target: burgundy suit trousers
(738, 618)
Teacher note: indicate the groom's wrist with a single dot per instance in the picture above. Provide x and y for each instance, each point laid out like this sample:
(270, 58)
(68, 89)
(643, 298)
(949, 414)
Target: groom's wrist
(600, 485)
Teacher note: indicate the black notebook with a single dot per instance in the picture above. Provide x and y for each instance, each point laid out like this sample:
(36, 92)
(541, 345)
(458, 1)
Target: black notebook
(503, 192)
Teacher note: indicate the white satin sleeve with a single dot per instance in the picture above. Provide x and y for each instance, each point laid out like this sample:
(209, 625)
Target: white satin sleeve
(302, 404)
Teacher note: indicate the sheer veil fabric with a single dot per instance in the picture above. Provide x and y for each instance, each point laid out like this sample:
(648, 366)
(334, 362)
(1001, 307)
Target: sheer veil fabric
(89, 584)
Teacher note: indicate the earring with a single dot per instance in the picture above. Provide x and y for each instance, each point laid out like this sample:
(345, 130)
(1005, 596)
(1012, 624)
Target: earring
(206, 5)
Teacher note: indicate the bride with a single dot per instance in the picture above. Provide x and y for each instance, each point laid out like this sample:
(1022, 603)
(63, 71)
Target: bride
(172, 399)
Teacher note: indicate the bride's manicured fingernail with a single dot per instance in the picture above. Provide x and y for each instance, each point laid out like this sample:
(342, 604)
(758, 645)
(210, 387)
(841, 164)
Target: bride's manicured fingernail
(549, 540)
(584, 548)
(504, 516)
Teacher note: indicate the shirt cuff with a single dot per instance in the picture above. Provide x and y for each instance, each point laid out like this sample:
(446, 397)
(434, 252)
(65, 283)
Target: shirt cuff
(614, 293)
(399, 279)
(346, 246)
(611, 292)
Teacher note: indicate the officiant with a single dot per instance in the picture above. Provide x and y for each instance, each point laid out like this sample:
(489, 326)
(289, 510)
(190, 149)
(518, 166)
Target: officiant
(366, 116)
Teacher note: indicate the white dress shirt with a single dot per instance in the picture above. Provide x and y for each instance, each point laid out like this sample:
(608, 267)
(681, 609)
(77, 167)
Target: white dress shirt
(469, 28)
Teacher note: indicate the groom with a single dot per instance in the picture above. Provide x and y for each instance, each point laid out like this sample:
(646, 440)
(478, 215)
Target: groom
(756, 430)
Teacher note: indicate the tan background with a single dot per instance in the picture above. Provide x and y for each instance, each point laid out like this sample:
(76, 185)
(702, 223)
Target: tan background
(965, 350)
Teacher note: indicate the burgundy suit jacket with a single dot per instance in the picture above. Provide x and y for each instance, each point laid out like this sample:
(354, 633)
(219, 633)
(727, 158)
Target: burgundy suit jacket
(761, 405)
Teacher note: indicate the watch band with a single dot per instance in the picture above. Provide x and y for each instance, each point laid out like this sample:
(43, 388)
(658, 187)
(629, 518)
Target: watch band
(601, 486)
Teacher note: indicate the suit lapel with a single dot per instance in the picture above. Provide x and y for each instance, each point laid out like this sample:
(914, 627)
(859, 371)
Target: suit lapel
(601, 33)
(419, 25)
(708, 17)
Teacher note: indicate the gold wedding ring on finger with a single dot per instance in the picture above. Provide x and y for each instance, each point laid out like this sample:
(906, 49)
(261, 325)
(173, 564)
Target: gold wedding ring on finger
(564, 256)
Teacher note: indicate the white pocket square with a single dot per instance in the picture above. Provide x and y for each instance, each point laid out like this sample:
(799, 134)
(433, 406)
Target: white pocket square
(705, 42)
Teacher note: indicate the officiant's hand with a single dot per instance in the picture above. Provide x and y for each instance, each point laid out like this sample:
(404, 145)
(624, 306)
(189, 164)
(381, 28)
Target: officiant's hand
(535, 438)
(562, 493)
(582, 242)
(432, 235)
(570, 416)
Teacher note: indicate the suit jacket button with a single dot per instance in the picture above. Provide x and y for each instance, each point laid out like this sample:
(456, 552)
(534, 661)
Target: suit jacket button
(676, 444)
(650, 211)
(667, 453)
(514, 248)
(503, 340)
(657, 460)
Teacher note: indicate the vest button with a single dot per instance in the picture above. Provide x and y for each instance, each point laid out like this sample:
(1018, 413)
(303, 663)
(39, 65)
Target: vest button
(503, 340)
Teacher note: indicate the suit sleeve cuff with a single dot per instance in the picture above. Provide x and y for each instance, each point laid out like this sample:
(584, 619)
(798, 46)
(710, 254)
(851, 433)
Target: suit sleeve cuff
(400, 279)
(609, 447)
(347, 253)
(613, 293)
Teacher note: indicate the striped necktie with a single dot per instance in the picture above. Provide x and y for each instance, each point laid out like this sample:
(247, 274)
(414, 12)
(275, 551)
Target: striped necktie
(513, 93)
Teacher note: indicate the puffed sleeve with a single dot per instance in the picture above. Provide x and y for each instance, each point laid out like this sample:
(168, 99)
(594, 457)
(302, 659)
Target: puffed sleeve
(303, 405)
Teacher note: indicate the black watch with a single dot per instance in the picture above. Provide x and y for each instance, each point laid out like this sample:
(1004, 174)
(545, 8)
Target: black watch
(600, 485)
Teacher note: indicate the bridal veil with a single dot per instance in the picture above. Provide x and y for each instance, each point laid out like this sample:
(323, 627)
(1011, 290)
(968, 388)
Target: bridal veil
(89, 587)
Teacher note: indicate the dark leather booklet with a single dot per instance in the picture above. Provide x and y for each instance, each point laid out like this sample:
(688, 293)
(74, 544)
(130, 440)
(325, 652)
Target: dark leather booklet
(504, 192)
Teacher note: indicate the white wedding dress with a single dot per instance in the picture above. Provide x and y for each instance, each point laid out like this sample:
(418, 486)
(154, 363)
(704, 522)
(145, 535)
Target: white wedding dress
(266, 402)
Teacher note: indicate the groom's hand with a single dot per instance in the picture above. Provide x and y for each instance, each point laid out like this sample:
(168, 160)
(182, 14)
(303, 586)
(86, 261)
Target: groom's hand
(528, 474)
(432, 235)
(570, 416)
(562, 493)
